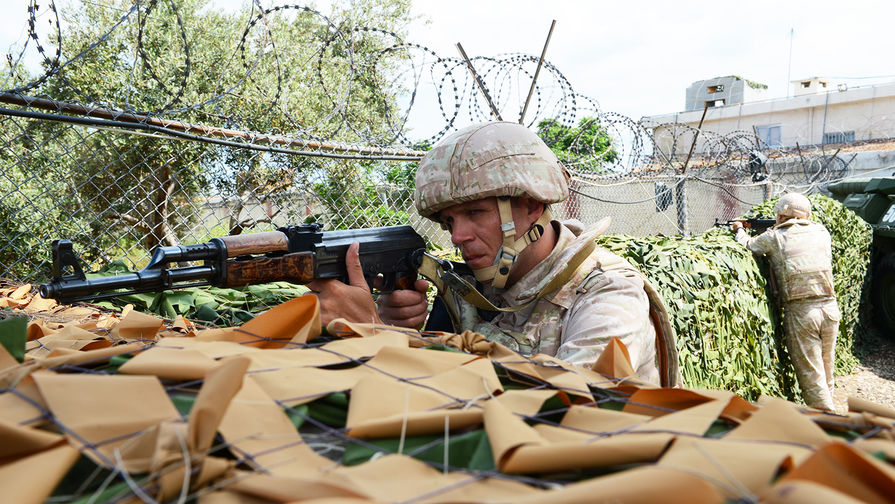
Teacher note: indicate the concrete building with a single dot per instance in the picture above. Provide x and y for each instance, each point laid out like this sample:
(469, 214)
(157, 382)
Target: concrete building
(818, 112)
(721, 91)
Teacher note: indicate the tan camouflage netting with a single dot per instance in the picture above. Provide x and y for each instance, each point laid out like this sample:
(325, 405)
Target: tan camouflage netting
(105, 391)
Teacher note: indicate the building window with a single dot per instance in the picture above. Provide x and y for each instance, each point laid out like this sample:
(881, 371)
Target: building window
(719, 88)
(841, 137)
(769, 135)
(714, 103)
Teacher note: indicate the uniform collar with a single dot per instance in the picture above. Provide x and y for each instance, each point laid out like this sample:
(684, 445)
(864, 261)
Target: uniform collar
(571, 238)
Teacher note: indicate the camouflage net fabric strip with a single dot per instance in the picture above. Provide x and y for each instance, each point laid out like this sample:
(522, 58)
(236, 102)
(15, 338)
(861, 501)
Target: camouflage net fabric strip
(129, 407)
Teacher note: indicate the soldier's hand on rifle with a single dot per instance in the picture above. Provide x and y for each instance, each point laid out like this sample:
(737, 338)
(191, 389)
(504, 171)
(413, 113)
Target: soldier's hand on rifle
(351, 301)
(405, 307)
(736, 226)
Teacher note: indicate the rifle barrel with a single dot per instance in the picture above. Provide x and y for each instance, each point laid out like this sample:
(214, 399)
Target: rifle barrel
(296, 254)
(139, 281)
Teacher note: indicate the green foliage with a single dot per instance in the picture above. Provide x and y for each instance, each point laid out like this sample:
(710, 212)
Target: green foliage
(470, 450)
(585, 147)
(349, 191)
(752, 84)
(716, 297)
(13, 335)
(209, 305)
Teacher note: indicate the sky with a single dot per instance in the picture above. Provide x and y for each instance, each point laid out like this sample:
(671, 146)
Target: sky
(637, 57)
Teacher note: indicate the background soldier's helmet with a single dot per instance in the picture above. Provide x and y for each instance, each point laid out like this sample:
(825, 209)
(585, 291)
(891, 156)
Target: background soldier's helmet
(793, 205)
(484, 160)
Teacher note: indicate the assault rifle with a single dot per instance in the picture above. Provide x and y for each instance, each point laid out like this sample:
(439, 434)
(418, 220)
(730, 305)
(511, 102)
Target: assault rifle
(758, 225)
(297, 254)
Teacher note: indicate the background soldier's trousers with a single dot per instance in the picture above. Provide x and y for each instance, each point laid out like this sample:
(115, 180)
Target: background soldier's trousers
(810, 329)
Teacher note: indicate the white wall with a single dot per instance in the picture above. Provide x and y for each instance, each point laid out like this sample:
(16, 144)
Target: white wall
(867, 111)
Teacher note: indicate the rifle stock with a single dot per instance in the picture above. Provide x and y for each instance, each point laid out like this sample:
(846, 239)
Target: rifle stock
(297, 254)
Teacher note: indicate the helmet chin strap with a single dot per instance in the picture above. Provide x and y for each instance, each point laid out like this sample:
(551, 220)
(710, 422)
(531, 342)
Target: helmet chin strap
(506, 256)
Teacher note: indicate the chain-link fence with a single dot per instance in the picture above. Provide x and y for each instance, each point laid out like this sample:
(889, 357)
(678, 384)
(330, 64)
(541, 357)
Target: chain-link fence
(117, 193)
(172, 143)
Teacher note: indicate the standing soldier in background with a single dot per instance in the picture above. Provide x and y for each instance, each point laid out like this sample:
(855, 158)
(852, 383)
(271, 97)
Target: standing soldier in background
(800, 254)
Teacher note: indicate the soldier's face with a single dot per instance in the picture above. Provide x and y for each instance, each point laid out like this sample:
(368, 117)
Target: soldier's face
(475, 230)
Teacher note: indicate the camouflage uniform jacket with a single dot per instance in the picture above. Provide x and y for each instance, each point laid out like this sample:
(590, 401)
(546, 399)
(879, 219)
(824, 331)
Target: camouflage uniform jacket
(604, 298)
(800, 254)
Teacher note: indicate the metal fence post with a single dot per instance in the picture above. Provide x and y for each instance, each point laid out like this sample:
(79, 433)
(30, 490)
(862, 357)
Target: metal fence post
(680, 196)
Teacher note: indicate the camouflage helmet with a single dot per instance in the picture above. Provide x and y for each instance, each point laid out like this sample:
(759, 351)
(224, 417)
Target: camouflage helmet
(484, 160)
(793, 205)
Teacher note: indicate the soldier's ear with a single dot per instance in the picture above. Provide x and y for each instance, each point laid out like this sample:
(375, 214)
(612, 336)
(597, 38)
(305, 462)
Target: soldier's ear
(533, 208)
(526, 210)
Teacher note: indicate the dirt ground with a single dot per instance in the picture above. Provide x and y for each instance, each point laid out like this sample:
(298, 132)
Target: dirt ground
(874, 379)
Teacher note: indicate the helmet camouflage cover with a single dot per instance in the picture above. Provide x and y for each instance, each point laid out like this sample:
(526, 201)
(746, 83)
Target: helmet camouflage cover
(484, 160)
(793, 205)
